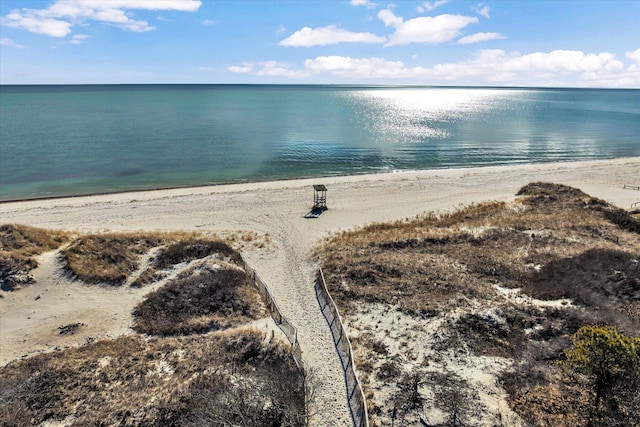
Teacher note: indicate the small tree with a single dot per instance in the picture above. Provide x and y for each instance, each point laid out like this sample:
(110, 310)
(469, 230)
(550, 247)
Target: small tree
(455, 397)
(610, 362)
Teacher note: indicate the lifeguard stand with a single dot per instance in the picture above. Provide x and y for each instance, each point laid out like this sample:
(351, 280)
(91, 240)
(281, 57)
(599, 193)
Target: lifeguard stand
(319, 197)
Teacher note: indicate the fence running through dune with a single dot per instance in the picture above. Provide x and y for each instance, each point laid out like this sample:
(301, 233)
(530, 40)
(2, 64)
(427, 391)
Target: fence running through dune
(285, 326)
(357, 402)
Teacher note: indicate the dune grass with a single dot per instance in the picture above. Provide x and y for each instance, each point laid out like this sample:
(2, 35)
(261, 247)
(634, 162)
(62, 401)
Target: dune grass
(231, 378)
(204, 298)
(112, 258)
(553, 242)
(205, 366)
(109, 258)
(19, 245)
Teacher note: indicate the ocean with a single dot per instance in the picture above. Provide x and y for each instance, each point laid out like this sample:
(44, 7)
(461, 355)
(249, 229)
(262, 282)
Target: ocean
(72, 140)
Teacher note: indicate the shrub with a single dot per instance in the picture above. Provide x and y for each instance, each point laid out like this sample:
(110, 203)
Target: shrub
(610, 362)
(210, 298)
(219, 379)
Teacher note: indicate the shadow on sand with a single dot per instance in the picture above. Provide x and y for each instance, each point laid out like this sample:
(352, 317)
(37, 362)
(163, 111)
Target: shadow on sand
(315, 213)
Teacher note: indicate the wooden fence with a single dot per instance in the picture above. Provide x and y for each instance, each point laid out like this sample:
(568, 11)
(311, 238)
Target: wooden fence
(631, 187)
(285, 326)
(357, 402)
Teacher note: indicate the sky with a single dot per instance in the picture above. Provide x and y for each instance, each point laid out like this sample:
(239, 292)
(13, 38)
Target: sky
(569, 43)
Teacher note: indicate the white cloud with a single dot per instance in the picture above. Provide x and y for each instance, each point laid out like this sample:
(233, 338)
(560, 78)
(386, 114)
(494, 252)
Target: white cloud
(209, 22)
(36, 24)
(389, 18)
(364, 68)
(366, 3)
(281, 29)
(307, 37)
(634, 56)
(428, 6)
(10, 43)
(57, 19)
(268, 69)
(240, 69)
(497, 66)
(69, 7)
(480, 37)
(426, 29)
(78, 38)
(483, 11)
(559, 67)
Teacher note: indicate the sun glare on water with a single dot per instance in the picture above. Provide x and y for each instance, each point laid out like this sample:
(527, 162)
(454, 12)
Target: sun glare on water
(416, 115)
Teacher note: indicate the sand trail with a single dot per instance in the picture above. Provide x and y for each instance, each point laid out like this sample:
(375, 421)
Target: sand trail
(33, 315)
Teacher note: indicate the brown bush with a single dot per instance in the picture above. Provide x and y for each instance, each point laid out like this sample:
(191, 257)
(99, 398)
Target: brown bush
(274, 396)
(202, 300)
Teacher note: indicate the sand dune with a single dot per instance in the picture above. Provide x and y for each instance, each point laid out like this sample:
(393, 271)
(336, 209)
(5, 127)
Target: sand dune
(276, 209)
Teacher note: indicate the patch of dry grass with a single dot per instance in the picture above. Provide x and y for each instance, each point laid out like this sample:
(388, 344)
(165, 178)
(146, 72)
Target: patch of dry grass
(194, 374)
(112, 258)
(230, 378)
(186, 250)
(191, 249)
(109, 258)
(209, 297)
(553, 242)
(440, 259)
(19, 244)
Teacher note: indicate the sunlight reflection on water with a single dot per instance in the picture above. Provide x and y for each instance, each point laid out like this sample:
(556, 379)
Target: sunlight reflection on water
(416, 115)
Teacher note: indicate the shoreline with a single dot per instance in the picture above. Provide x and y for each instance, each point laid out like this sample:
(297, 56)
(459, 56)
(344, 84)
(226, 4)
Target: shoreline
(346, 177)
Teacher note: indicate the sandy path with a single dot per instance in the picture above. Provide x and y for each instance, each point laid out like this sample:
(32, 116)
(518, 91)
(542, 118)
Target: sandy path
(31, 316)
(277, 208)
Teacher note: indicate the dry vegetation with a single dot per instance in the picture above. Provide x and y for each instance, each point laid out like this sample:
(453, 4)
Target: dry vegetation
(202, 299)
(205, 366)
(113, 258)
(474, 296)
(110, 258)
(236, 377)
(19, 244)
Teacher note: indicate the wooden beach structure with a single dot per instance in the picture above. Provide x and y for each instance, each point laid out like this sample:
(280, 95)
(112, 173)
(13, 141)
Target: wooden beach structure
(319, 196)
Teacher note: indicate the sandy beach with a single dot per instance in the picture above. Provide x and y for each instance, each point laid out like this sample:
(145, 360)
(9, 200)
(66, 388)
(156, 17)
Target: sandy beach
(30, 317)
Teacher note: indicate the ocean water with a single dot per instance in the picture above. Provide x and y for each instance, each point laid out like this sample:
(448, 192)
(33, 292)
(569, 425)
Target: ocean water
(67, 140)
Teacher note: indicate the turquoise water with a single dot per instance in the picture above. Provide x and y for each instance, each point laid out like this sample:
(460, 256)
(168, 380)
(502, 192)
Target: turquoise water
(64, 140)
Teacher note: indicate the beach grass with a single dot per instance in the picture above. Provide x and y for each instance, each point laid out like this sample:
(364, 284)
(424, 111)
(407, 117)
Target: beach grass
(195, 360)
(495, 281)
(204, 298)
(229, 377)
(19, 246)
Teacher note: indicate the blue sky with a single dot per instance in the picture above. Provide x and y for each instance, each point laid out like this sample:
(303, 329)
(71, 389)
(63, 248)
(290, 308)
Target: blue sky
(567, 43)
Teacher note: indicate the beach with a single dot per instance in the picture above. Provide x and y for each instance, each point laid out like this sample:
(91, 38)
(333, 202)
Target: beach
(276, 211)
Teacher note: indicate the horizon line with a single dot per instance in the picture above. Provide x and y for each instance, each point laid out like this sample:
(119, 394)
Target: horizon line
(337, 85)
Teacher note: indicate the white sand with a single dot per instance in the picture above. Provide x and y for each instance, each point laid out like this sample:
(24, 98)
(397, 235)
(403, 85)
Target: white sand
(278, 208)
